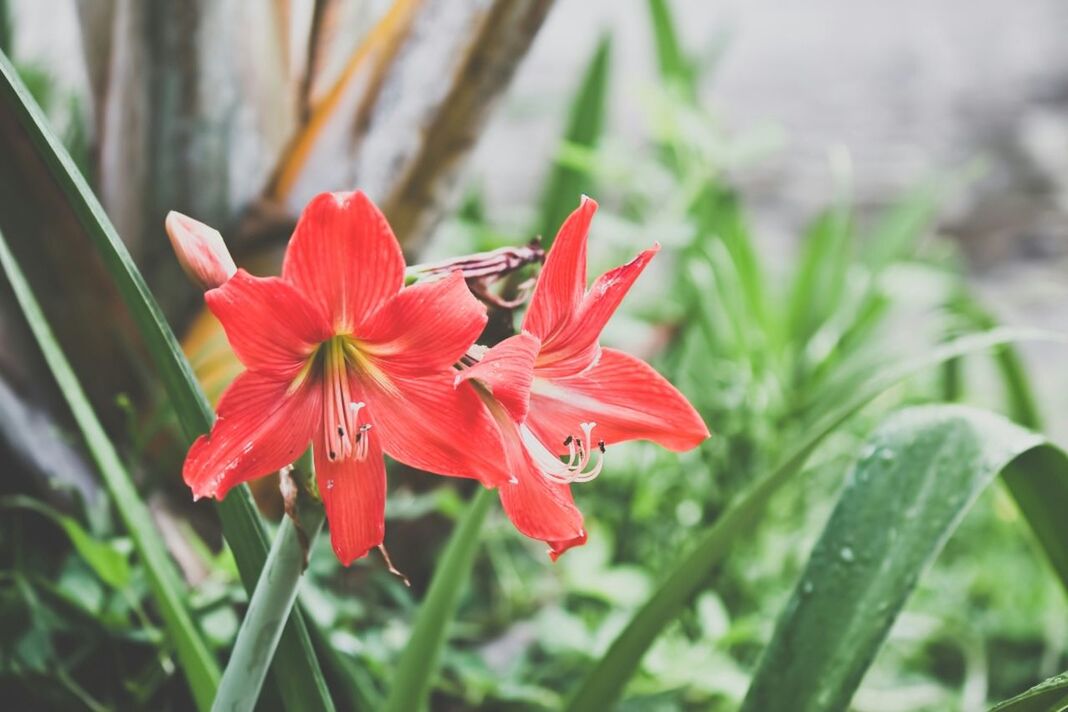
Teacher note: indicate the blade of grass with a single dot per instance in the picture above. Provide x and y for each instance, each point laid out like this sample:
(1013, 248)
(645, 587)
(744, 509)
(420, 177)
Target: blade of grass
(671, 61)
(419, 663)
(1047, 696)
(296, 669)
(1021, 402)
(821, 274)
(5, 27)
(197, 664)
(921, 472)
(584, 128)
(692, 573)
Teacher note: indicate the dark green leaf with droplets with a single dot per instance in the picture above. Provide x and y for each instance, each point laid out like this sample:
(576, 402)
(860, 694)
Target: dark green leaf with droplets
(916, 478)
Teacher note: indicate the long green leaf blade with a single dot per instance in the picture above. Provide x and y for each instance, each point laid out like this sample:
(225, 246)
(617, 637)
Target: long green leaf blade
(584, 128)
(1048, 696)
(691, 574)
(419, 662)
(199, 666)
(296, 669)
(671, 61)
(920, 473)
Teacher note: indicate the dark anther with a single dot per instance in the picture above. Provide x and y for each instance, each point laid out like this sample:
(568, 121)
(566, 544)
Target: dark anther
(340, 431)
(600, 444)
(333, 455)
(567, 440)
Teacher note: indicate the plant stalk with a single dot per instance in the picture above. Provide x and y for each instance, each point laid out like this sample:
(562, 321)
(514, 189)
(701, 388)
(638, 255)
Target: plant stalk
(271, 603)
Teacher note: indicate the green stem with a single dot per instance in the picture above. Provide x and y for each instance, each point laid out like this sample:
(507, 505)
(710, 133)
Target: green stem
(272, 601)
(199, 666)
(419, 662)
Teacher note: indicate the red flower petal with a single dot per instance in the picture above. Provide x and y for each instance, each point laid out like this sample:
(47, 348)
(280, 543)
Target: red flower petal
(354, 494)
(625, 397)
(344, 257)
(261, 428)
(425, 327)
(508, 371)
(562, 281)
(430, 424)
(570, 351)
(538, 508)
(272, 327)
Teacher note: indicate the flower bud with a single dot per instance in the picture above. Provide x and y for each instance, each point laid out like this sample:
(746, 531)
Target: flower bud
(201, 251)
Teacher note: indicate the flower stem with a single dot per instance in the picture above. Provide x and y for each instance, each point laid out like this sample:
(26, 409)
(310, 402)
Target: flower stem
(271, 603)
(419, 662)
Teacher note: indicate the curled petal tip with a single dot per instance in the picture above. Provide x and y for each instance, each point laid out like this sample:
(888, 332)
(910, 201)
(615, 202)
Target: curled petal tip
(200, 250)
(558, 548)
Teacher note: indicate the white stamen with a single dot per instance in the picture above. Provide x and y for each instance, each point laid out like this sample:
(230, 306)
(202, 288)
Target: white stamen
(580, 450)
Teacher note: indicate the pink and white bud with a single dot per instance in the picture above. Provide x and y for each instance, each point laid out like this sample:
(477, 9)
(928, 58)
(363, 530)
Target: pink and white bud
(201, 251)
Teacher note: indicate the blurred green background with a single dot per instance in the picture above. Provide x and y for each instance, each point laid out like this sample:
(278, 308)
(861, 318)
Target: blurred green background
(837, 187)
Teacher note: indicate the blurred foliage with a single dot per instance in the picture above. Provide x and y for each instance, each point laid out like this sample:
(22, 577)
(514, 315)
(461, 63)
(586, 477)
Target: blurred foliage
(763, 337)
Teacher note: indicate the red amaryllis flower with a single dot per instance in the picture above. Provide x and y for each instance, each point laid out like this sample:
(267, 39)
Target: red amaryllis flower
(340, 356)
(554, 392)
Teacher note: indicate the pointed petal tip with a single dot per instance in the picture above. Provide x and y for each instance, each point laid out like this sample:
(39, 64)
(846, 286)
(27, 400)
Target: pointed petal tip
(200, 493)
(559, 548)
(346, 558)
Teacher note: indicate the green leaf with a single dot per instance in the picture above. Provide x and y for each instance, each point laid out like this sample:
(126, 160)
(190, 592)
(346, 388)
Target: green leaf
(692, 572)
(105, 560)
(5, 27)
(566, 183)
(671, 61)
(918, 476)
(418, 664)
(197, 663)
(1048, 696)
(820, 280)
(30, 148)
(1019, 396)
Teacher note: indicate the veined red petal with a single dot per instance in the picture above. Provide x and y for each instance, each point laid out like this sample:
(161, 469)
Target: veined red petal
(544, 510)
(538, 508)
(432, 424)
(570, 351)
(261, 427)
(425, 327)
(271, 326)
(627, 399)
(562, 281)
(354, 494)
(344, 257)
(508, 371)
